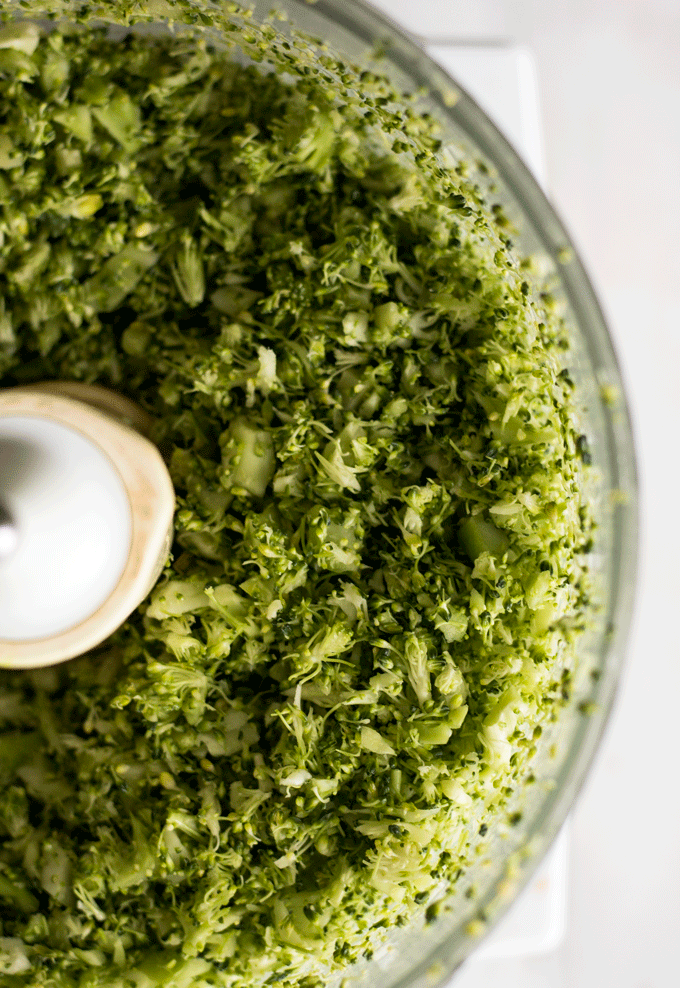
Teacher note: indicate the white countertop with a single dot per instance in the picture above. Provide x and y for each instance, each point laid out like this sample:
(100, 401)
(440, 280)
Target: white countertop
(609, 84)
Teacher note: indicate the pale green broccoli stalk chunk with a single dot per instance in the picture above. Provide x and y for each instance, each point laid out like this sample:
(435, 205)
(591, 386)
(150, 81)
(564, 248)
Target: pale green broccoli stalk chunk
(248, 459)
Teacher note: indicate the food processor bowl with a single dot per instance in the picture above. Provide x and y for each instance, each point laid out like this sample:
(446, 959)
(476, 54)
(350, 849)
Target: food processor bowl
(428, 952)
(425, 953)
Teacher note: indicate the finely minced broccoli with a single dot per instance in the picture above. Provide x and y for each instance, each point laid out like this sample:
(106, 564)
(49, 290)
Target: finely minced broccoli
(377, 578)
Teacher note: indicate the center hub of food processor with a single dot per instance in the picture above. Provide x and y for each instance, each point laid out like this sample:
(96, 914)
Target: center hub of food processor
(85, 520)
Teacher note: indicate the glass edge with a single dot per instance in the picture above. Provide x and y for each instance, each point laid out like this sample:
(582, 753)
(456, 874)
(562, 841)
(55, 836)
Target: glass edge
(409, 56)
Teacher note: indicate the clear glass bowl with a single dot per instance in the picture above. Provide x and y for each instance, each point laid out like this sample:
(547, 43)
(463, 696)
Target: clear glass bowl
(427, 954)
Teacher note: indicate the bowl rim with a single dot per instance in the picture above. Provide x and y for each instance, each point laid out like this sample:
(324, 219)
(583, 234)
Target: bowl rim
(372, 28)
(409, 56)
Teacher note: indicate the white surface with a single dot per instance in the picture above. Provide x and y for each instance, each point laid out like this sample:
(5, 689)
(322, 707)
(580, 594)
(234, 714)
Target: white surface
(609, 80)
(73, 525)
(535, 924)
(502, 79)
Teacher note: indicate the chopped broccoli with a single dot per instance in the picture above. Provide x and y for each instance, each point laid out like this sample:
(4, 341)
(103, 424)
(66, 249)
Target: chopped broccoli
(369, 610)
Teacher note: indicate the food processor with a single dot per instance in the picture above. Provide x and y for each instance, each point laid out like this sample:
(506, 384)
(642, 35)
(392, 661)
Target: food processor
(133, 484)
